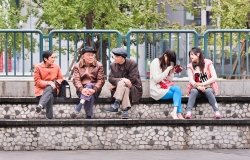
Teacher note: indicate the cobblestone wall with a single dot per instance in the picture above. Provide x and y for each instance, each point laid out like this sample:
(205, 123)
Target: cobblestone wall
(121, 137)
(142, 111)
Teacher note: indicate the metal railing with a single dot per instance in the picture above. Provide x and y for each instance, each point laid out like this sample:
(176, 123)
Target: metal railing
(68, 42)
(145, 45)
(21, 49)
(229, 50)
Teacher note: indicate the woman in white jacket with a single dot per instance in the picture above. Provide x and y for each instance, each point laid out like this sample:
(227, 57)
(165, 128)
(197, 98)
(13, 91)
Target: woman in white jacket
(161, 85)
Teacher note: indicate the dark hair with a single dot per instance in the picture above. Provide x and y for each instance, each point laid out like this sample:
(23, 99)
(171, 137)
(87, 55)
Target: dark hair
(201, 64)
(171, 58)
(46, 54)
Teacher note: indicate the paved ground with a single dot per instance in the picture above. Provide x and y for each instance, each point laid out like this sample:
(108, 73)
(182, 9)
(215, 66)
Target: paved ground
(232, 154)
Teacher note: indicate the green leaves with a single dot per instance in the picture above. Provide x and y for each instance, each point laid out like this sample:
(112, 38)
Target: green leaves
(121, 15)
(10, 14)
(226, 13)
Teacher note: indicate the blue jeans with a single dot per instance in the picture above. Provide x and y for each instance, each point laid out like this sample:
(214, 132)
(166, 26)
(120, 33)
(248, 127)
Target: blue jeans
(175, 93)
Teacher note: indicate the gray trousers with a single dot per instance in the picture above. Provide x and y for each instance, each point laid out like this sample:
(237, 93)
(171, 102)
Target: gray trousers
(47, 100)
(195, 93)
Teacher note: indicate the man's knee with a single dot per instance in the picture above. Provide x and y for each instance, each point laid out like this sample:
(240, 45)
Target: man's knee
(120, 84)
(89, 85)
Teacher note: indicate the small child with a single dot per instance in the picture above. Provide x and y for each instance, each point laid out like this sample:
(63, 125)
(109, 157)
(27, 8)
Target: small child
(84, 98)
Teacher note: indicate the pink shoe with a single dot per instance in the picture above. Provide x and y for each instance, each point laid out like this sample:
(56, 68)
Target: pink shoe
(217, 115)
(188, 115)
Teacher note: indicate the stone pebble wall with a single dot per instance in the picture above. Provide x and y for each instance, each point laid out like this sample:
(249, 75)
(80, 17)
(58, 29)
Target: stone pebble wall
(141, 111)
(125, 138)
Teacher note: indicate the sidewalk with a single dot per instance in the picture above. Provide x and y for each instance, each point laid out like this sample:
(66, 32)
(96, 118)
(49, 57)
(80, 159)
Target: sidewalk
(226, 154)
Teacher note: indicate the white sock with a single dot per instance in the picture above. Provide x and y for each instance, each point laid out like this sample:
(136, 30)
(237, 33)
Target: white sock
(175, 110)
(82, 101)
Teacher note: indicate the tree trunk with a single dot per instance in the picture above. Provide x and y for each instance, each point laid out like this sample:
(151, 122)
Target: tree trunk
(242, 55)
(248, 20)
(101, 56)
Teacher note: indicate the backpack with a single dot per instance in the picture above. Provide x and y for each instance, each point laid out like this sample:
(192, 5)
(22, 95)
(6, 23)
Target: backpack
(64, 90)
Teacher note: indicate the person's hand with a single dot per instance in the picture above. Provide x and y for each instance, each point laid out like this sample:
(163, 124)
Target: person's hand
(52, 84)
(91, 91)
(85, 91)
(201, 88)
(111, 87)
(127, 82)
(169, 68)
(197, 84)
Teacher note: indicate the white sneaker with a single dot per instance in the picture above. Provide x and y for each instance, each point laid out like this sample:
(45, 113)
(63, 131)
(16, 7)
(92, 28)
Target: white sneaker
(217, 115)
(174, 115)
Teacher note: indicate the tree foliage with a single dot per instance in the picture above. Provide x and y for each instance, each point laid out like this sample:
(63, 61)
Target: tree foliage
(233, 13)
(10, 18)
(225, 13)
(120, 15)
(10, 14)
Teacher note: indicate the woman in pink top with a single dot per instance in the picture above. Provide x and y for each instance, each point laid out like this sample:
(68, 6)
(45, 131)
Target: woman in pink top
(202, 79)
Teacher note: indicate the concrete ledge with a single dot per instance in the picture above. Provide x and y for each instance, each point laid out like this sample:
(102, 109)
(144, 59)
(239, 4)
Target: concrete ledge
(19, 87)
(148, 100)
(121, 122)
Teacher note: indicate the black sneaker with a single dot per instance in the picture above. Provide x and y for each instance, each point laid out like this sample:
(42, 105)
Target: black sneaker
(88, 117)
(125, 115)
(48, 118)
(111, 109)
(38, 108)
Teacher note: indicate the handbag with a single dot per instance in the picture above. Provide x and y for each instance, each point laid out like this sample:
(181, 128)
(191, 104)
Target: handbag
(64, 91)
(165, 84)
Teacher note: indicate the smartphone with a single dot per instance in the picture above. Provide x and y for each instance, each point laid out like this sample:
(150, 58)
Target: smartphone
(178, 68)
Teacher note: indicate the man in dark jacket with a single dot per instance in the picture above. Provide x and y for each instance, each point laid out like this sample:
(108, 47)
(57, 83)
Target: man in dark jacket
(126, 83)
(88, 78)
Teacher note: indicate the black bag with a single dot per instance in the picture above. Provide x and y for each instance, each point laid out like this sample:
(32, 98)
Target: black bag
(64, 90)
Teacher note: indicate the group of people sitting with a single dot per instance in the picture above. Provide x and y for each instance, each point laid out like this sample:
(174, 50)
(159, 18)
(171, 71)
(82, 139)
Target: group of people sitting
(125, 82)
